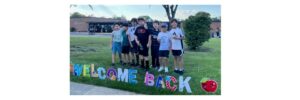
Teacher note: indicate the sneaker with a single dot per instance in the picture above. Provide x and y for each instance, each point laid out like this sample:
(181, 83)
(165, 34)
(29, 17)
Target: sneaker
(132, 64)
(113, 64)
(180, 72)
(176, 71)
(160, 69)
(166, 69)
(146, 69)
(136, 64)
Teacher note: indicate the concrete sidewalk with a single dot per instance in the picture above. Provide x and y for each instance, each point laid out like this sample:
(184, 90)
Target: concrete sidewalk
(86, 34)
(84, 89)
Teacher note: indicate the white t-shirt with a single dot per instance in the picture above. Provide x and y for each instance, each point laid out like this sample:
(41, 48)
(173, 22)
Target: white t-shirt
(131, 31)
(176, 44)
(164, 38)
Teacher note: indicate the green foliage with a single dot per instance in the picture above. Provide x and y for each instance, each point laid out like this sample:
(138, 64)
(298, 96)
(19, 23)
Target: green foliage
(146, 17)
(72, 29)
(77, 15)
(197, 29)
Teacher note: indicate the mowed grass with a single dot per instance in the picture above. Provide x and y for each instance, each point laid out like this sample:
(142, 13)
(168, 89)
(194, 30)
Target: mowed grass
(205, 62)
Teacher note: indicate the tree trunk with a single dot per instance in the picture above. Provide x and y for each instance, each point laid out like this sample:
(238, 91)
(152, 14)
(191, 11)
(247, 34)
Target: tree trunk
(171, 11)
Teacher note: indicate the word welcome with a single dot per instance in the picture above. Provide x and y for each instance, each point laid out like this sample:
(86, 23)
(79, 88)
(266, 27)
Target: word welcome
(129, 76)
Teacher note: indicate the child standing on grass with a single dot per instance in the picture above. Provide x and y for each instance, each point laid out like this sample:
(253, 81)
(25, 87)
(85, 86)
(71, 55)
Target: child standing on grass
(164, 38)
(133, 46)
(125, 46)
(154, 45)
(177, 46)
(116, 42)
(142, 37)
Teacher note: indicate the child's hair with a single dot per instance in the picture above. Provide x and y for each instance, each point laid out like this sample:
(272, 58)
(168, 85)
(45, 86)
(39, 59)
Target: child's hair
(173, 20)
(125, 24)
(133, 20)
(156, 22)
(141, 18)
(116, 24)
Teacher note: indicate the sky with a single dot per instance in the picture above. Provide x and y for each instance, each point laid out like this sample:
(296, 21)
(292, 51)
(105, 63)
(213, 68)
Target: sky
(156, 12)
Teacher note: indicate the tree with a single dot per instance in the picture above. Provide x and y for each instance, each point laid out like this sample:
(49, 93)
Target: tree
(119, 17)
(72, 29)
(171, 11)
(146, 17)
(77, 15)
(90, 6)
(197, 29)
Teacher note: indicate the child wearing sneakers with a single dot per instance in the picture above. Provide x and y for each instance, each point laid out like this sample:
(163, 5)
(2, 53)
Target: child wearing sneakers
(133, 46)
(116, 42)
(177, 46)
(154, 44)
(125, 46)
(164, 38)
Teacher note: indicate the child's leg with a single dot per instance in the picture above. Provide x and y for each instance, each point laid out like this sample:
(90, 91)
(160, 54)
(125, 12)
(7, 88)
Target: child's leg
(153, 60)
(175, 63)
(131, 56)
(157, 61)
(113, 58)
(123, 57)
(142, 61)
(161, 61)
(118, 49)
(137, 58)
(147, 62)
(181, 63)
(166, 64)
(166, 61)
(127, 58)
(120, 57)
(161, 67)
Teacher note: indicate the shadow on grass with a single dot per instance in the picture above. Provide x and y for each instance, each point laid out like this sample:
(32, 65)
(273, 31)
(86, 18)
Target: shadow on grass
(199, 49)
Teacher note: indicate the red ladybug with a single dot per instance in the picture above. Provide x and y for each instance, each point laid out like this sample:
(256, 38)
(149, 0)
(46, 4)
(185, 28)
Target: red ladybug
(209, 86)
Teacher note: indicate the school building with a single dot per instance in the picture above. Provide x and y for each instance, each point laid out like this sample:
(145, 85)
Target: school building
(104, 25)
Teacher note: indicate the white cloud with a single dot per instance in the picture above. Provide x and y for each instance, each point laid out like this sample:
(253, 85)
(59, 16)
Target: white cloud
(183, 14)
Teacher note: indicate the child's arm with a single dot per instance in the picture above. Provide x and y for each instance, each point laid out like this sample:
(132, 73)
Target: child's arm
(111, 40)
(136, 40)
(181, 35)
(149, 41)
(170, 45)
(128, 35)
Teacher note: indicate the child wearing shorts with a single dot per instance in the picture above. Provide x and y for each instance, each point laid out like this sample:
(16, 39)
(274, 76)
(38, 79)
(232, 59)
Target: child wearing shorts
(164, 38)
(116, 42)
(125, 46)
(177, 46)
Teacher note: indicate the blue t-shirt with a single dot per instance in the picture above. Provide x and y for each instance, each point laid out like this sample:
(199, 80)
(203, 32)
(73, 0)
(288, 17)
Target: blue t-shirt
(165, 40)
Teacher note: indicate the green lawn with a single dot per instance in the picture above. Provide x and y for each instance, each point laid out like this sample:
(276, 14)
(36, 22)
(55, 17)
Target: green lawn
(205, 62)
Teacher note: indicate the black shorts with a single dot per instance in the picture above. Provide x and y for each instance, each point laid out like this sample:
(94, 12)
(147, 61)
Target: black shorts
(177, 52)
(143, 50)
(134, 48)
(125, 49)
(164, 53)
(155, 51)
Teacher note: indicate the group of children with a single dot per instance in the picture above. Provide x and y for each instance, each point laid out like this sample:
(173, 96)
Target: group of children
(132, 45)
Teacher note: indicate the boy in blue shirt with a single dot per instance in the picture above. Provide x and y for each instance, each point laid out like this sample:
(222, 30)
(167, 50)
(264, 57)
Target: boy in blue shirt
(116, 41)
